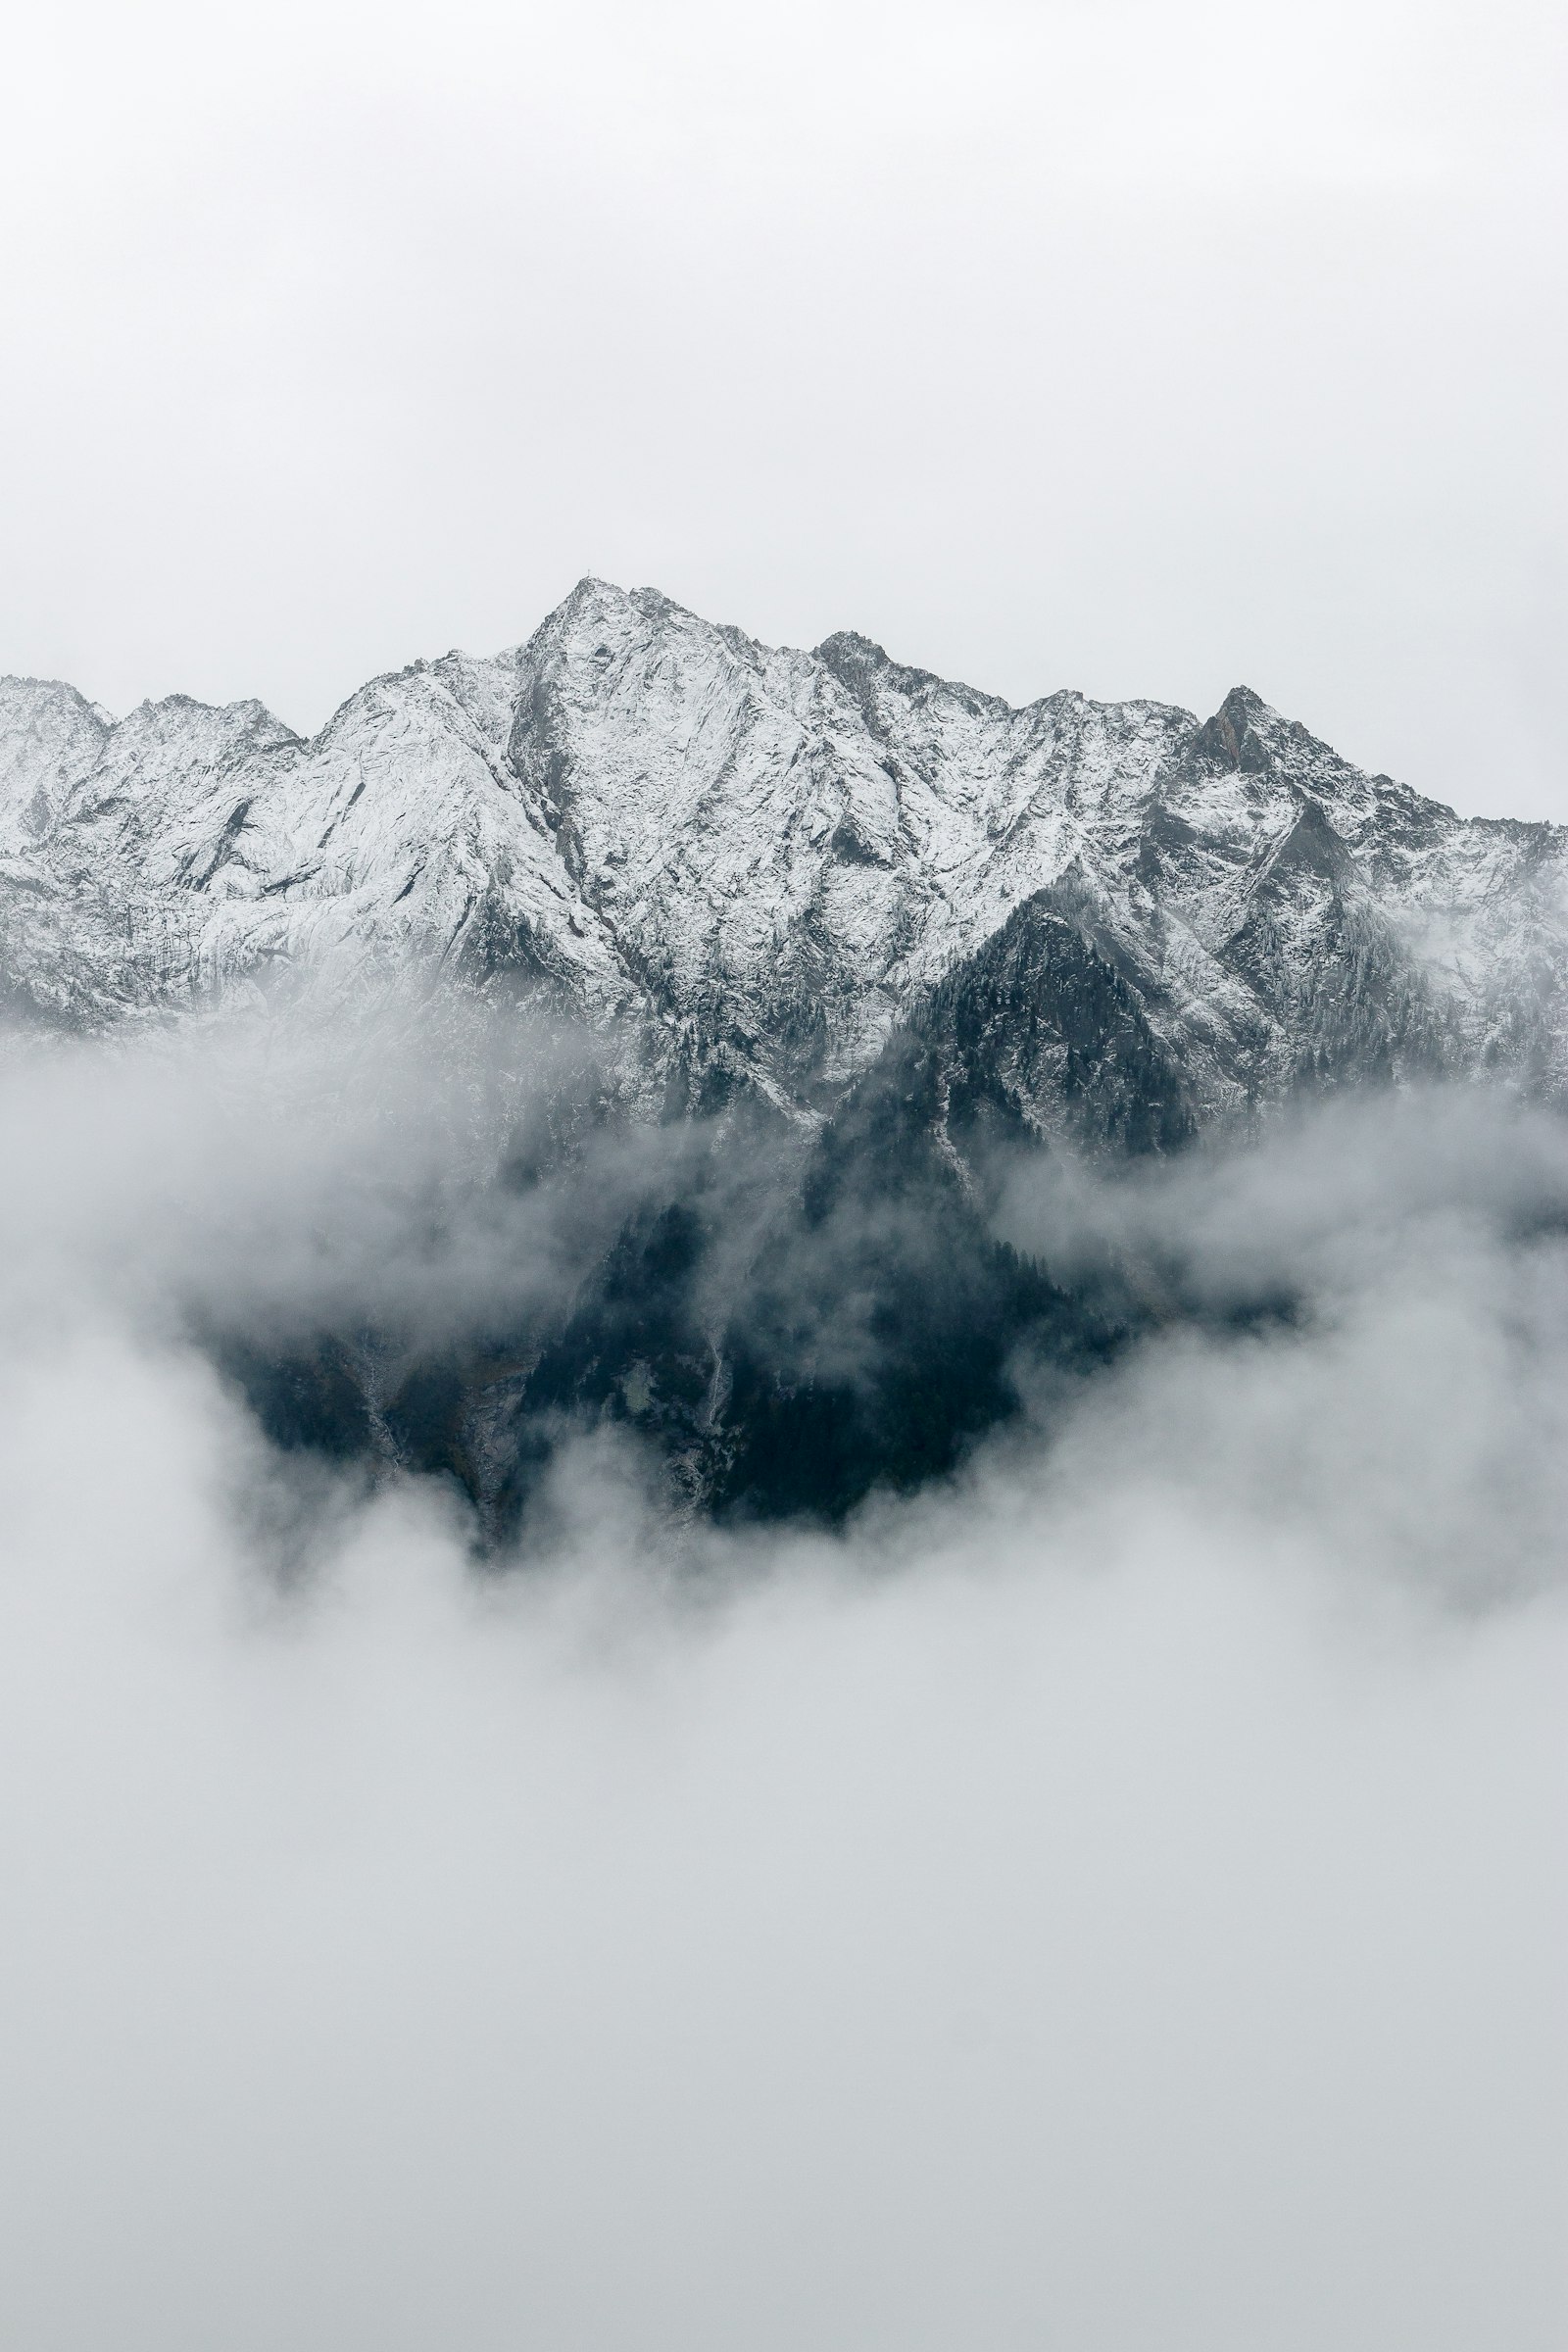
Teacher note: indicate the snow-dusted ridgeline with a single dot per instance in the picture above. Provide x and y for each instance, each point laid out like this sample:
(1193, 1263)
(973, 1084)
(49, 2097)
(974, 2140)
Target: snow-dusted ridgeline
(762, 859)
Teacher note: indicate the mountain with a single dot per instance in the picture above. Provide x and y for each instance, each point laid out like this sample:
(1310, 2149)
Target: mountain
(758, 862)
(862, 940)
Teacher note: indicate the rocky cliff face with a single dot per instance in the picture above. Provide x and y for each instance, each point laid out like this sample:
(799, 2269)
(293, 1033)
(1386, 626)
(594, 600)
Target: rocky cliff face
(758, 862)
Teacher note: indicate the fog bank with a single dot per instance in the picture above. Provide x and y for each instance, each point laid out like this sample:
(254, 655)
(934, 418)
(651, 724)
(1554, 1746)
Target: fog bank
(1110, 1902)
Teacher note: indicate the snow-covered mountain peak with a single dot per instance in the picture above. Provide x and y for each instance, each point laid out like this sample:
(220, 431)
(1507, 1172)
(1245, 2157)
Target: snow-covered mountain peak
(764, 859)
(50, 735)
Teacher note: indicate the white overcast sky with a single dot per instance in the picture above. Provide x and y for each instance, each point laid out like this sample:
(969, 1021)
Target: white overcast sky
(1140, 348)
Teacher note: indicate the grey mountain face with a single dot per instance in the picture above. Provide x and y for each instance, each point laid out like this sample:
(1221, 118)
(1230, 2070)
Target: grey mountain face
(755, 864)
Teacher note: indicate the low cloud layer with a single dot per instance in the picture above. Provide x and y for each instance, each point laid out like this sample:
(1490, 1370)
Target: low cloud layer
(1111, 1902)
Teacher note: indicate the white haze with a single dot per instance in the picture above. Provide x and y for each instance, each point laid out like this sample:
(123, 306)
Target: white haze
(1142, 349)
(1113, 1904)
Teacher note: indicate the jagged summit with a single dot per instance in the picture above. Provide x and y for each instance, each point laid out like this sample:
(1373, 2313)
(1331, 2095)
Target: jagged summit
(846, 649)
(759, 861)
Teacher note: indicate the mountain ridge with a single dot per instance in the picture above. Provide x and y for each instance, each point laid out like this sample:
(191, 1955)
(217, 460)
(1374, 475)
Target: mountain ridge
(756, 863)
(837, 954)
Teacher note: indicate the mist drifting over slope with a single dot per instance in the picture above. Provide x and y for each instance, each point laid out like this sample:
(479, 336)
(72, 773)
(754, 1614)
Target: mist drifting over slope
(1106, 1898)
